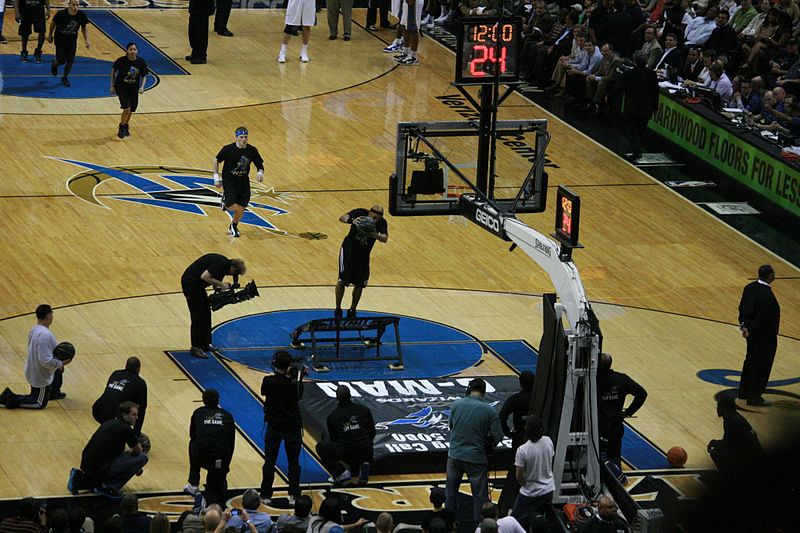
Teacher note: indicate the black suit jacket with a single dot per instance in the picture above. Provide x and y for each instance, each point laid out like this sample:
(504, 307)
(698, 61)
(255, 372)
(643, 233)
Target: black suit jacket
(759, 311)
(674, 58)
(692, 72)
(723, 41)
(641, 92)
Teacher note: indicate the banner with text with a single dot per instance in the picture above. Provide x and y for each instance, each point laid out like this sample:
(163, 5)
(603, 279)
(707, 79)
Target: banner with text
(729, 153)
(411, 418)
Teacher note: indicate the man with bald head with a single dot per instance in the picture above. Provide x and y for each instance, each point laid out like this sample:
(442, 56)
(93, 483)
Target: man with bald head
(123, 385)
(351, 430)
(607, 519)
(354, 253)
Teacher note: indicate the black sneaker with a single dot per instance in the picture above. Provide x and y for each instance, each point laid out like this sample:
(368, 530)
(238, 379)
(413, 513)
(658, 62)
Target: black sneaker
(58, 396)
(5, 395)
(351, 313)
(197, 352)
(65, 82)
(337, 314)
(23, 56)
(121, 132)
(233, 230)
(108, 492)
(126, 130)
(3, 40)
(38, 55)
(54, 68)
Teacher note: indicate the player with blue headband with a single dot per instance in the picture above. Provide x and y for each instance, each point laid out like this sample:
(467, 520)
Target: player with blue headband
(236, 159)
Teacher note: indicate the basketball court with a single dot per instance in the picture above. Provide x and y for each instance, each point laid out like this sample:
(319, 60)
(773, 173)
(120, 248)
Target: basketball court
(102, 228)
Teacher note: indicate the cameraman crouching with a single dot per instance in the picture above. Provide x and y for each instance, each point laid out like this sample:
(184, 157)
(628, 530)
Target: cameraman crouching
(208, 270)
(282, 392)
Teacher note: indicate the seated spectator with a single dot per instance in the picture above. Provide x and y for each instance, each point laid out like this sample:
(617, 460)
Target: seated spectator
(29, 517)
(250, 503)
(720, 82)
(599, 84)
(782, 62)
(547, 54)
(755, 23)
(329, 519)
(617, 29)
(723, 40)
(746, 98)
(709, 56)
(534, 40)
(245, 524)
(566, 62)
(540, 19)
(58, 521)
(133, 521)
(772, 34)
(575, 82)
(212, 518)
(651, 47)
(105, 465)
(299, 520)
(599, 13)
(439, 512)
(79, 522)
(486, 8)
(488, 525)
(791, 10)
(699, 29)
(743, 16)
(694, 65)
(607, 519)
(113, 524)
(160, 524)
(739, 448)
(507, 524)
(634, 9)
(766, 117)
(384, 523)
(122, 385)
(672, 55)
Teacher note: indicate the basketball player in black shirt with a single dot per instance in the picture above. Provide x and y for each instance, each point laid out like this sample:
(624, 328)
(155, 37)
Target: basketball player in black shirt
(354, 255)
(236, 159)
(127, 82)
(123, 385)
(209, 269)
(31, 15)
(65, 26)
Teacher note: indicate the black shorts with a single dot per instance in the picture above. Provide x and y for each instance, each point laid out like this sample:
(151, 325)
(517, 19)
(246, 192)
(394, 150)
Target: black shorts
(353, 268)
(65, 51)
(231, 195)
(128, 97)
(26, 24)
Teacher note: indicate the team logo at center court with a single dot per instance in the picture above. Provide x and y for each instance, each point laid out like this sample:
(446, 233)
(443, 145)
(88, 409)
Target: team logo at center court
(195, 193)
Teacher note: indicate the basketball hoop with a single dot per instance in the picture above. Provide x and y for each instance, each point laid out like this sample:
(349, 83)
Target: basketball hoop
(454, 192)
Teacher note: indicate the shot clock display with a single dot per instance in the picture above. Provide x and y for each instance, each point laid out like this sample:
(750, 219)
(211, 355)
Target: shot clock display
(487, 48)
(568, 216)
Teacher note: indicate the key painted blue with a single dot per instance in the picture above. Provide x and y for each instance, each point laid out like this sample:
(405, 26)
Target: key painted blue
(247, 410)
(517, 354)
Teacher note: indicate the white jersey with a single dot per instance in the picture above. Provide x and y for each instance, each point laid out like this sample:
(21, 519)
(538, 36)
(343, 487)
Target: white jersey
(301, 13)
(417, 15)
(40, 364)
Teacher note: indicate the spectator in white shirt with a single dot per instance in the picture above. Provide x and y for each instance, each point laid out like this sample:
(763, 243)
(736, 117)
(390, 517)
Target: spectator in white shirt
(534, 469)
(507, 524)
(699, 29)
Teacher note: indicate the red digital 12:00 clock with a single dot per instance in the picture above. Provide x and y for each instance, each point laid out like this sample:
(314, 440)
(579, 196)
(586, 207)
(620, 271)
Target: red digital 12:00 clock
(487, 48)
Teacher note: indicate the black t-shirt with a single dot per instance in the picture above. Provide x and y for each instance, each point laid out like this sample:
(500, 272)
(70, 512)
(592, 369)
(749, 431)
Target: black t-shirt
(107, 443)
(31, 9)
(67, 25)
(445, 514)
(518, 406)
(217, 265)
(129, 73)
(213, 431)
(123, 385)
(282, 402)
(352, 425)
(612, 388)
(360, 244)
(236, 164)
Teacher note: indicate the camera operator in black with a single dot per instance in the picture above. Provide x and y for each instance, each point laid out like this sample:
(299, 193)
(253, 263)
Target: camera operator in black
(518, 405)
(208, 270)
(354, 255)
(351, 429)
(612, 388)
(236, 159)
(212, 437)
(123, 385)
(282, 392)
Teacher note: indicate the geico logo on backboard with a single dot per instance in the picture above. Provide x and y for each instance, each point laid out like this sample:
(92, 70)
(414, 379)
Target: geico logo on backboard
(485, 219)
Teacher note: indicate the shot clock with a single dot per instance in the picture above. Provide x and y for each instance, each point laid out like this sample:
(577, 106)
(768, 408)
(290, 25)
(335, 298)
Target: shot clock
(568, 213)
(487, 48)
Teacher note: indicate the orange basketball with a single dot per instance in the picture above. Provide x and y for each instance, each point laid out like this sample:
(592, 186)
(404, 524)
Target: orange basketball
(677, 456)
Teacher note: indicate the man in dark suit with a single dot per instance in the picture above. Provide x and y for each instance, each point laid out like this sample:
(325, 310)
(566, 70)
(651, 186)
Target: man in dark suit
(199, 12)
(221, 18)
(759, 319)
(672, 55)
(640, 87)
(723, 39)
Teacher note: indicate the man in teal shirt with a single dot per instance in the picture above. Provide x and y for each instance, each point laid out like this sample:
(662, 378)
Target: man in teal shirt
(474, 431)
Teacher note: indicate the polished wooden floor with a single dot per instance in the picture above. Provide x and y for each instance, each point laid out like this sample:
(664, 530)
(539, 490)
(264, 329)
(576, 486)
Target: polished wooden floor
(666, 277)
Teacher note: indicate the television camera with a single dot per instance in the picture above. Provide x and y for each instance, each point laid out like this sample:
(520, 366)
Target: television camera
(220, 299)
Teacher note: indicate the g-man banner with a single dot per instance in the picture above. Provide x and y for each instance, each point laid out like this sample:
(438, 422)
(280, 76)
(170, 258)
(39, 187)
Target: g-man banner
(729, 153)
(411, 417)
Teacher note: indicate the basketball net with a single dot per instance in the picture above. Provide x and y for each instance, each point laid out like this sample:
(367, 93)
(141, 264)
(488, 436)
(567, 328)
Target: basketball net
(455, 191)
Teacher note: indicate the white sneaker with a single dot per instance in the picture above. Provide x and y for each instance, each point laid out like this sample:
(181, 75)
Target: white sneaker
(190, 489)
(394, 47)
(281, 57)
(440, 18)
(304, 57)
(409, 61)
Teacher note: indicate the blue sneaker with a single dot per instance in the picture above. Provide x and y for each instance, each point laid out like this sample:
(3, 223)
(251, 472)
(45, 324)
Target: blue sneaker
(394, 47)
(71, 481)
(109, 492)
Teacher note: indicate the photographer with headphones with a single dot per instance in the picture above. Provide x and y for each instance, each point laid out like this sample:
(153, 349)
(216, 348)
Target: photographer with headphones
(474, 432)
(206, 271)
(282, 392)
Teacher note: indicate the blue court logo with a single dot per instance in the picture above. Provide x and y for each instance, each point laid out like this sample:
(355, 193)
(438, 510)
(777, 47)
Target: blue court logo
(186, 190)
